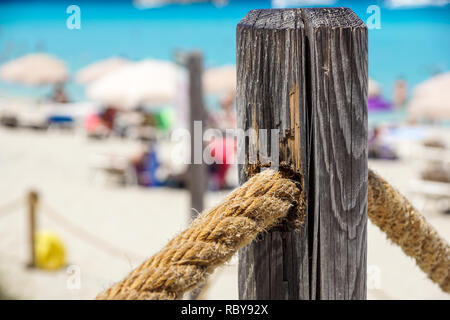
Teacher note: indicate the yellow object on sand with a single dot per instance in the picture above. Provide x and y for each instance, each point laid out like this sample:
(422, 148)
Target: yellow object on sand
(49, 250)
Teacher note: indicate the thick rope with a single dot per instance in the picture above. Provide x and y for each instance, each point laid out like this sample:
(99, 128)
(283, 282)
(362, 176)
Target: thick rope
(407, 228)
(256, 206)
(212, 239)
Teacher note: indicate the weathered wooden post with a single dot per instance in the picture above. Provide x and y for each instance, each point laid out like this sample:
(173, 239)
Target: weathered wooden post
(197, 169)
(32, 201)
(304, 72)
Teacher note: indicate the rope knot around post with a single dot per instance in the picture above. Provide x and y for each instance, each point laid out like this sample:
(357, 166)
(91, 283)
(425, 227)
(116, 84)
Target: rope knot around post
(212, 239)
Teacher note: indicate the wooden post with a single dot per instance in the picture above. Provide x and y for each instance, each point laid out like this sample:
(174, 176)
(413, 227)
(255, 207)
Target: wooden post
(197, 169)
(33, 200)
(304, 72)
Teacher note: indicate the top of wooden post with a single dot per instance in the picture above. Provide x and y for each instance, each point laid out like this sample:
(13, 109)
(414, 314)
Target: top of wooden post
(33, 196)
(280, 19)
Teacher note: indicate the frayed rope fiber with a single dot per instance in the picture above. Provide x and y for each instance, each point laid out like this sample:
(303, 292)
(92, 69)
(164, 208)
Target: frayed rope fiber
(404, 226)
(212, 239)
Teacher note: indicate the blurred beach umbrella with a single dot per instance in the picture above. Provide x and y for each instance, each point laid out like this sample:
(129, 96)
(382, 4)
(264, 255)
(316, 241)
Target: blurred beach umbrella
(378, 103)
(431, 99)
(220, 80)
(34, 70)
(145, 82)
(99, 68)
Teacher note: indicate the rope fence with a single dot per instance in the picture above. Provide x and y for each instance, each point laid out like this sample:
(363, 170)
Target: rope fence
(7, 208)
(85, 235)
(256, 206)
(77, 231)
(263, 201)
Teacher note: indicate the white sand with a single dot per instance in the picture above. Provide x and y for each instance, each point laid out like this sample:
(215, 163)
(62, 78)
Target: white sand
(140, 221)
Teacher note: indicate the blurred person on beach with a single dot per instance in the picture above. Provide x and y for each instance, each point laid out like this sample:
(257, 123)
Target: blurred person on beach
(378, 149)
(145, 164)
(222, 148)
(108, 116)
(95, 127)
(223, 151)
(101, 125)
(400, 94)
(225, 118)
(59, 95)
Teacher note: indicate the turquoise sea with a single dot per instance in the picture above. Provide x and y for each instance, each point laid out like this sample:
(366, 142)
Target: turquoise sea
(413, 43)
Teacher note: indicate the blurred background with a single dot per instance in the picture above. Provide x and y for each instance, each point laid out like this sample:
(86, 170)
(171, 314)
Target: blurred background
(91, 93)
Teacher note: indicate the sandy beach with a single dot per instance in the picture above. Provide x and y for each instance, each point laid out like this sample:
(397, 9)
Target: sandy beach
(139, 221)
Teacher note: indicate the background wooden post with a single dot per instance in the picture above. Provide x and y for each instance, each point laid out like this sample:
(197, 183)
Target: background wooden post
(197, 169)
(304, 72)
(33, 200)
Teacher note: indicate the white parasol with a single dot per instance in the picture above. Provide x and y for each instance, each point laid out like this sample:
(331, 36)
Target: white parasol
(100, 68)
(145, 82)
(34, 69)
(220, 80)
(431, 99)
